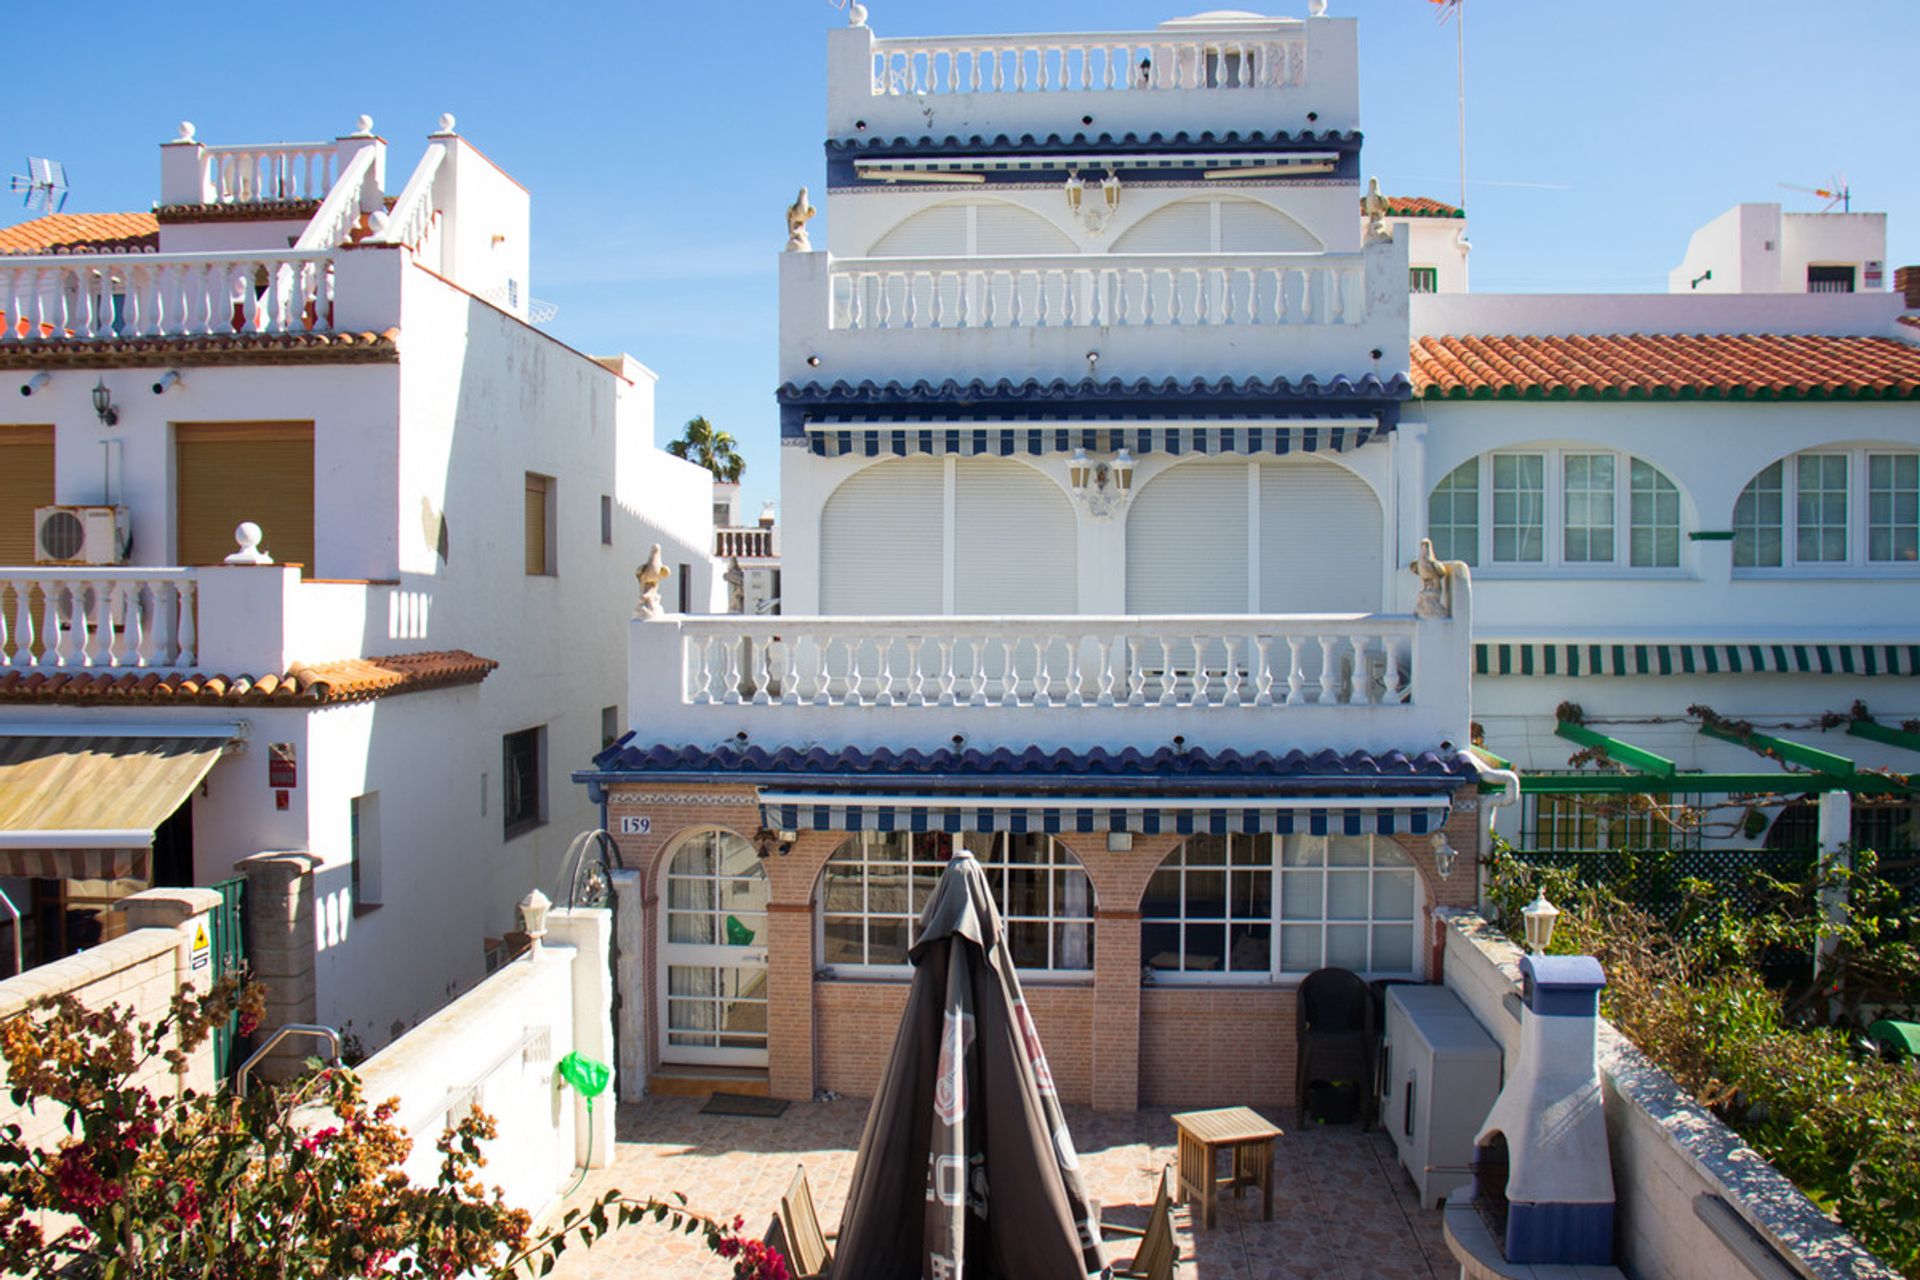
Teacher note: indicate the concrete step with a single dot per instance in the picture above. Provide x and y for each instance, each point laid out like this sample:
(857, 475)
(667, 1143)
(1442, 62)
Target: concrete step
(677, 1080)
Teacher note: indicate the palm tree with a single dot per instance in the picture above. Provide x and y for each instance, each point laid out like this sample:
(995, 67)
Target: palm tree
(712, 448)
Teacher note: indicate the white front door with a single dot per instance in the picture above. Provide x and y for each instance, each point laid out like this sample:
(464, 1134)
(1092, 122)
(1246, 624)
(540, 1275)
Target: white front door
(713, 953)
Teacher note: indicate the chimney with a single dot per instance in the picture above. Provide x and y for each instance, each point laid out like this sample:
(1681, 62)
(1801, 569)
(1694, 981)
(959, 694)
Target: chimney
(1542, 1154)
(1906, 281)
(766, 515)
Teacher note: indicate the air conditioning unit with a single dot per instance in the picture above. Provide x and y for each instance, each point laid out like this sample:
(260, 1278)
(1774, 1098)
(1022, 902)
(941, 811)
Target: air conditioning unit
(1439, 1075)
(80, 535)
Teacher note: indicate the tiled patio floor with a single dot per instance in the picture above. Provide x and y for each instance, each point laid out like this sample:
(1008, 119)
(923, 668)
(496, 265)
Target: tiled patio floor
(1343, 1209)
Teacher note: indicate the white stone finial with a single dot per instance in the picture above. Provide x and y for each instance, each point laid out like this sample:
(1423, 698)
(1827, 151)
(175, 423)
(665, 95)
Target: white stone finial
(446, 122)
(1316, 8)
(363, 127)
(651, 575)
(856, 14)
(186, 131)
(799, 213)
(248, 535)
(1436, 592)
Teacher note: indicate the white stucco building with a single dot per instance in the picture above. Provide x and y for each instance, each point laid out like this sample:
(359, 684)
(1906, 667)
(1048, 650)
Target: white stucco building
(1756, 248)
(454, 503)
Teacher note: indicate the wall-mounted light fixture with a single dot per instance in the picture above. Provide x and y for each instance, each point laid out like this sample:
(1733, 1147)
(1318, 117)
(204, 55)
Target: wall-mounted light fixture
(103, 404)
(1540, 916)
(1443, 855)
(168, 381)
(1102, 487)
(533, 919)
(38, 382)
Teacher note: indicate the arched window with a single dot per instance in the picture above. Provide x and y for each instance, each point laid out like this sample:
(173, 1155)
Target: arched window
(1557, 507)
(1213, 909)
(1831, 507)
(877, 883)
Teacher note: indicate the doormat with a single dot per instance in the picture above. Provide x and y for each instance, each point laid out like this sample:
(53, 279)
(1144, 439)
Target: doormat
(740, 1104)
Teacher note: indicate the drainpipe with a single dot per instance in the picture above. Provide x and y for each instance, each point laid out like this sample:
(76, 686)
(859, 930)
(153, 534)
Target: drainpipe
(1509, 795)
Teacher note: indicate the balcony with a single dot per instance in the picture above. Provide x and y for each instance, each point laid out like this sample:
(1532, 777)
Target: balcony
(118, 297)
(755, 542)
(1333, 681)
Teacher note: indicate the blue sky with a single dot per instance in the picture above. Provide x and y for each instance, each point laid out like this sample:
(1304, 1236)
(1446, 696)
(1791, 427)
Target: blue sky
(662, 142)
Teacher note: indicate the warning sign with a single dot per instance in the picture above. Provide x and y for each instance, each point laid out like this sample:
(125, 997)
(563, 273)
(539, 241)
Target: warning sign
(202, 947)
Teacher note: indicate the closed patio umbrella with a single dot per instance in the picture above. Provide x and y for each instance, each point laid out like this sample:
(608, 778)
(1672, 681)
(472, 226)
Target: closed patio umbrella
(966, 1170)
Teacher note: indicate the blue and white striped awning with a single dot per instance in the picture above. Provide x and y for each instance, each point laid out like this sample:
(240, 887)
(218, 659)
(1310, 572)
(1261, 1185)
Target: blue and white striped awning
(1095, 162)
(1616, 659)
(830, 437)
(1158, 815)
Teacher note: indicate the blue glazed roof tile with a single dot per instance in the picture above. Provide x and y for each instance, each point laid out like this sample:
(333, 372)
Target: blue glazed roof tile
(1028, 143)
(1006, 391)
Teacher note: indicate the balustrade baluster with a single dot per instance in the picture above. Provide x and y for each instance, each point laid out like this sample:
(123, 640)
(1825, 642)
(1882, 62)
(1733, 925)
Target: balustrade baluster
(26, 631)
(1202, 678)
(1392, 679)
(103, 653)
(58, 639)
(1296, 673)
(1234, 695)
(1262, 673)
(1009, 674)
(1042, 673)
(916, 674)
(133, 624)
(1361, 694)
(1169, 678)
(1329, 672)
(186, 650)
(759, 669)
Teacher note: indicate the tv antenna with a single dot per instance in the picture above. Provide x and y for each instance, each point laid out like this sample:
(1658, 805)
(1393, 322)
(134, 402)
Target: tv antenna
(1836, 192)
(45, 180)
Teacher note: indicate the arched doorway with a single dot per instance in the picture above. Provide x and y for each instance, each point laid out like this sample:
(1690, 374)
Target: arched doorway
(713, 953)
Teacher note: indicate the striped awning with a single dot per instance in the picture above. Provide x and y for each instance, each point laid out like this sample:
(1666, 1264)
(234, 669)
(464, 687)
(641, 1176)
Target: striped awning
(830, 437)
(1300, 161)
(1615, 659)
(85, 808)
(1159, 815)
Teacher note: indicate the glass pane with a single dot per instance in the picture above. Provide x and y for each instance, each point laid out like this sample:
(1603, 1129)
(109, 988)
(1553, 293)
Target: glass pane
(744, 930)
(682, 927)
(936, 847)
(1393, 948)
(843, 893)
(1347, 895)
(1303, 851)
(1299, 948)
(1072, 895)
(692, 1015)
(1252, 895)
(887, 846)
(1388, 853)
(1027, 848)
(840, 941)
(1393, 895)
(741, 896)
(1349, 851)
(1160, 946)
(1206, 895)
(1027, 939)
(737, 857)
(1250, 947)
(1301, 895)
(1347, 946)
(1162, 898)
(924, 880)
(1252, 851)
(887, 890)
(1026, 893)
(1207, 851)
(690, 980)
(1206, 947)
(1073, 946)
(695, 857)
(691, 1039)
(886, 941)
(689, 895)
(745, 1016)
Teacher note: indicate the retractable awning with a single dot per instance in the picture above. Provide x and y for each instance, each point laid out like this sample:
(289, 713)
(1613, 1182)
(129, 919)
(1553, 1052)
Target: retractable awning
(85, 807)
(1148, 815)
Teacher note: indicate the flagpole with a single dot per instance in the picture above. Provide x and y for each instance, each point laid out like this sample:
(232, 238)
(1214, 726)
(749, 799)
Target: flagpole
(1460, 36)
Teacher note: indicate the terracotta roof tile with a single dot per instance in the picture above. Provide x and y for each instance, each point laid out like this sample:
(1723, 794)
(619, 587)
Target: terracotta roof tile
(215, 349)
(319, 685)
(1665, 366)
(1421, 207)
(82, 233)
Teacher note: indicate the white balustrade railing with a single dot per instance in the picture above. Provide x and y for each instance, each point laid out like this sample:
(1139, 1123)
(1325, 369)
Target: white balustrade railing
(752, 542)
(274, 171)
(117, 618)
(1083, 62)
(1098, 289)
(415, 219)
(105, 296)
(353, 195)
(1324, 660)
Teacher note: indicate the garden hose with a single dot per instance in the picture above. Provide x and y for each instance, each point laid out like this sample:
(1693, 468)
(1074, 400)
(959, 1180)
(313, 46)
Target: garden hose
(589, 1078)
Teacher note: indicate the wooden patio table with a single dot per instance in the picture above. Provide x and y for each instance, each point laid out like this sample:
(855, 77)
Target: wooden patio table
(1243, 1131)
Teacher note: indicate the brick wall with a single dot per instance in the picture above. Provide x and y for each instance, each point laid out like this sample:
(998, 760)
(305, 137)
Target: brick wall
(1216, 1046)
(853, 1033)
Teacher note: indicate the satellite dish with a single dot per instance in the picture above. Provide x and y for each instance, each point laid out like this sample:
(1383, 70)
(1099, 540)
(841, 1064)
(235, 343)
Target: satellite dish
(44, 180)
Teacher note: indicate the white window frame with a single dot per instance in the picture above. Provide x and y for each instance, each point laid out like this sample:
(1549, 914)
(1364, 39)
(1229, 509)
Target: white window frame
(1858, 519)
(1553, 560)
(1273, 864)
(1059, 859)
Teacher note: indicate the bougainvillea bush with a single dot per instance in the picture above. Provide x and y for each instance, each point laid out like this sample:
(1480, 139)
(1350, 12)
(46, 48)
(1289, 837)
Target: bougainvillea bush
(300, 1180)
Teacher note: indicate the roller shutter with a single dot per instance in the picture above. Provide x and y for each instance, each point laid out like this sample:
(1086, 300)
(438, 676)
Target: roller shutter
(1247, 226)
(1187, 541)
(880, 540)
(26, 482)
(1014, 541)
(939, 232)
(1005, 230)
(1320, 534)
(1183, 227)
(226, 473)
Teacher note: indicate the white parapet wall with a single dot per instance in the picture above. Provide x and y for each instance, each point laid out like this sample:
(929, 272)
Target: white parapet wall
(498, 1048)
(1694, 1201)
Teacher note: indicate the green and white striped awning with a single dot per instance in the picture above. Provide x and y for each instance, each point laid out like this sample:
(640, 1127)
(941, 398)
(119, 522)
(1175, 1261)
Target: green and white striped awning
(1535, 658)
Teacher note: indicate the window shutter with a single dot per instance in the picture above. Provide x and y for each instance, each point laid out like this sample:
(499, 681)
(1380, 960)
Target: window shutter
(939, 232)
(538, 560)
(1005, 230)
(1187, 541)
(1320, 533)
(1247, 226)
(880, 540)
(1183, 227)
(26, 482)
(226, 473)
(1014, 541)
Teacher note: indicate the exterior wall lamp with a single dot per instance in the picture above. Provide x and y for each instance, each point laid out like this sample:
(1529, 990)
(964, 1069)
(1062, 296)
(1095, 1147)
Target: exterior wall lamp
(103, 404)
(1443, 854)
(1540, 916)
(1102, 487)
(533, 919)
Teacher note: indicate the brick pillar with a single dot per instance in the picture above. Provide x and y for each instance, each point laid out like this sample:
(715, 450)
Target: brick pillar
(790, 1000)
(280, 949)
(186, 912)
(629, 944)
(1906, 281)
(1116, 1011)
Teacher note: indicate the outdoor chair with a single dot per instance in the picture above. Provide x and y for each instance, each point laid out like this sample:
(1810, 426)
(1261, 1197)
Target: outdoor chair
(1158, 1250)
(1335, 1028)
(807, 1252)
